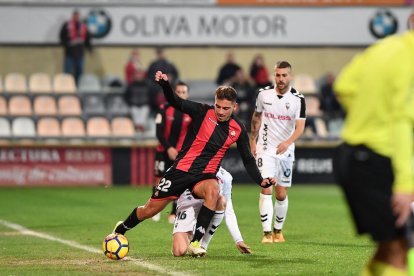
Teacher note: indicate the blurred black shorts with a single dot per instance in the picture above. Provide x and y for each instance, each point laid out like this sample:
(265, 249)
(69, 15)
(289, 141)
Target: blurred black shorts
(366, 179)
(161, 163)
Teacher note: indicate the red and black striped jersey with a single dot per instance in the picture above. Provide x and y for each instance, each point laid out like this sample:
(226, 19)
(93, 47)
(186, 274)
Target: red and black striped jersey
(171, 127)
(208, 140)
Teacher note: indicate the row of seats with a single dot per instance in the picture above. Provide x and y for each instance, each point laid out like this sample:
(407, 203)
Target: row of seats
(59, 83)
(65, 105)
(70, 127)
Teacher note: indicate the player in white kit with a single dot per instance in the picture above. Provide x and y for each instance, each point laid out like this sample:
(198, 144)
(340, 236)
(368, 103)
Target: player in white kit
(187, 210)
(277, 122)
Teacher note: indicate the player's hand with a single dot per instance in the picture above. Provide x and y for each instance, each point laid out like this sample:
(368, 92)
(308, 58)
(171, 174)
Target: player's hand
(243, 248)
(267, 182)
(172, 153)
(282, 147)
(400, 204)
(160, 76)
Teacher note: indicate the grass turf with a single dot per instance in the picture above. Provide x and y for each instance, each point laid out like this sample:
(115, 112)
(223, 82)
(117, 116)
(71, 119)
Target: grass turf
(319, 233)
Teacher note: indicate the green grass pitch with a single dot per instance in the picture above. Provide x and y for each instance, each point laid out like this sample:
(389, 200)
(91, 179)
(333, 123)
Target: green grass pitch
(319, 233)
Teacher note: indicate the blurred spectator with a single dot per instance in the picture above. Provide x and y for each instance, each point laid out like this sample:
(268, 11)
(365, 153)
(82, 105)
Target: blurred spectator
(74, 37)
(162, 64)
(245, 95)
(133, 64)
(228, 70)
(328, 102)
(137, 95)
(259, 73)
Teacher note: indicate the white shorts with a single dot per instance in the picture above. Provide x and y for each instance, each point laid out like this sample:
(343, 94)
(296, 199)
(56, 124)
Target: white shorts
(280, 167)
(186, 218)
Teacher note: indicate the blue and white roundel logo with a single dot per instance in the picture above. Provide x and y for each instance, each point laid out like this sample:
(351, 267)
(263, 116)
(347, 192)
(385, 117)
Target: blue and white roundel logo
(99, 24)
(383, 24)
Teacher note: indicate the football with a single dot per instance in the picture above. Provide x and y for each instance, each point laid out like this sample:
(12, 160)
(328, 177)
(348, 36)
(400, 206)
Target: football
(115, 246)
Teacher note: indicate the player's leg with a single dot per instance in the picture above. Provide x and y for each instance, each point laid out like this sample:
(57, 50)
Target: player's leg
(159, 170)
(284, 176)
(215, 222)
(141, 213)
(267, 168)
(181, 240)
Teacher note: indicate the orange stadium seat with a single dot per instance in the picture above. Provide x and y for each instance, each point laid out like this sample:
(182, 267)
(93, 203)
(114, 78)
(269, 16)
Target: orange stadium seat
(40, 83)
(3, 106)
(15, 82)
(45, 105)
(122, 127)
(98, 127)
(305, 84)
(73, 127)
(64, 83)
(69, 106)
(48, 127)
(20, 106)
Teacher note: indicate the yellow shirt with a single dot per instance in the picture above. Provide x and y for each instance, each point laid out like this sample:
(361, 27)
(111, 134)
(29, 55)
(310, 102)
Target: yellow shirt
(377, 92)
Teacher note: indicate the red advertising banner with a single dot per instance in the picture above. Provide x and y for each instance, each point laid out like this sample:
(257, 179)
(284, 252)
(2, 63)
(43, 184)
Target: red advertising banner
(55, 166)
(315, 2)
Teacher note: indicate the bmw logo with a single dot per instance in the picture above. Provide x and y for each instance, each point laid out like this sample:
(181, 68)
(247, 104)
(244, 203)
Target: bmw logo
(383, 24)
(99, 23)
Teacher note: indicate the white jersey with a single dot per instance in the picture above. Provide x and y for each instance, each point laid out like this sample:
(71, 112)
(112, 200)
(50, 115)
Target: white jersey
(191, 206)
(279, 115)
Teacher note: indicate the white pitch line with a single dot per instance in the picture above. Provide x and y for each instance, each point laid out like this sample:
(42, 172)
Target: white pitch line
(25, 231)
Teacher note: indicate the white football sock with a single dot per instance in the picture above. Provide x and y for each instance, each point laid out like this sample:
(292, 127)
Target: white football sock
(281, 208)
(266, 211)
(214, 224)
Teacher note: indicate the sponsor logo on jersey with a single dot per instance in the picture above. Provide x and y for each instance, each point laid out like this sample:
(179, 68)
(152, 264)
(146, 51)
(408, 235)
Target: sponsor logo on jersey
(264, 136)
(277, 117)
(232, 133)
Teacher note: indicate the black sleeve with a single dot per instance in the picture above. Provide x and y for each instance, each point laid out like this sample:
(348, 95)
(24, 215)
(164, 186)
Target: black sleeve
(302, 108)
(249, 162)
(63, 35)
(160, 126)
(189, 107)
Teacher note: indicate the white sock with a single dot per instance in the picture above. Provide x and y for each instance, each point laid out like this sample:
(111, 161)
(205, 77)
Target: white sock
(214, 224)
(281, 208)
(266, 211)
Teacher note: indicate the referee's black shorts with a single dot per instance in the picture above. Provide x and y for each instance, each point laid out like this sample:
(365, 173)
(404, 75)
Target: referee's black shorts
(366, 179)
(174, 182)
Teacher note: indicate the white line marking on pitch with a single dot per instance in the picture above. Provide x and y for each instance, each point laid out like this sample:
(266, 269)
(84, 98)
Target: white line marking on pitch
(25, 231)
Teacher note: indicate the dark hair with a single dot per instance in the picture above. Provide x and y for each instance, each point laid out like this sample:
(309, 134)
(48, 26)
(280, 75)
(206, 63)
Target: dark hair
(180, 82)
(226, 93)
(283, 64)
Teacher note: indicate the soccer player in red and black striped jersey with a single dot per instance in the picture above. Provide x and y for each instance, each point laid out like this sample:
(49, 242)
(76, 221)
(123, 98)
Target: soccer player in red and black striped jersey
(171, 129)
(211, 133)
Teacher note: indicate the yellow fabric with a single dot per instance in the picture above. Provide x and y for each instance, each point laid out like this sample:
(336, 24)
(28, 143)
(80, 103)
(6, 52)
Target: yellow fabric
(377, 91)
(382, 269)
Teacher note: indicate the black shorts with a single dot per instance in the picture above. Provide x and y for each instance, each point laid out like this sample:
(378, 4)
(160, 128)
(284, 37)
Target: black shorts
(175, 182)
(366, 179)
(162, 163)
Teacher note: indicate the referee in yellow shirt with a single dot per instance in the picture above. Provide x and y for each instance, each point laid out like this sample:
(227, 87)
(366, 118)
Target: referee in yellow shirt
(374, 166)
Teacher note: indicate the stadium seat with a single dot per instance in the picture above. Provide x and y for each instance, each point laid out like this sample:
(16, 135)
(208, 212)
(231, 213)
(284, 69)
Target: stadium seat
(15, 82)
(69, 105)
(44, 105)
(89, 83)
(3, 106)
(64, 83)
(117, 106)
(313, 111)
(93, 104)
(304, 84)
(112, 84)
(122, 127)
(20, 106)
(40, 83)
(98, 127)
(73, 127)
(23, 127)
(5, 130)
(48, 127)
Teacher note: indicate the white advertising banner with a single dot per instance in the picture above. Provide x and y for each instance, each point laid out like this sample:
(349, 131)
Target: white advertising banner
(240, 26)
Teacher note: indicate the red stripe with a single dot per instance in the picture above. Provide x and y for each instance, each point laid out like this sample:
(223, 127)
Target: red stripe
(133, 166)
(206, 130)
(150, 166)
(184, 127)
(233, 136)
(142, 166)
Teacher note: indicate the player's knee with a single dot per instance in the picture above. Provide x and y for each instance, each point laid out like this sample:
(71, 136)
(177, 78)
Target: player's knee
(213, 193)
(221, 203)
(179, 251)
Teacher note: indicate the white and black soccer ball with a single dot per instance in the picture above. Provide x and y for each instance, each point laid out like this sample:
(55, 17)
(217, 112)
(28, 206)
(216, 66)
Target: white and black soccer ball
(383, 24)
(99, 23)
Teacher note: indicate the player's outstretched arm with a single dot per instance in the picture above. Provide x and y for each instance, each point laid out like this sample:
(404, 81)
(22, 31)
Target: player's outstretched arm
(169, 94)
